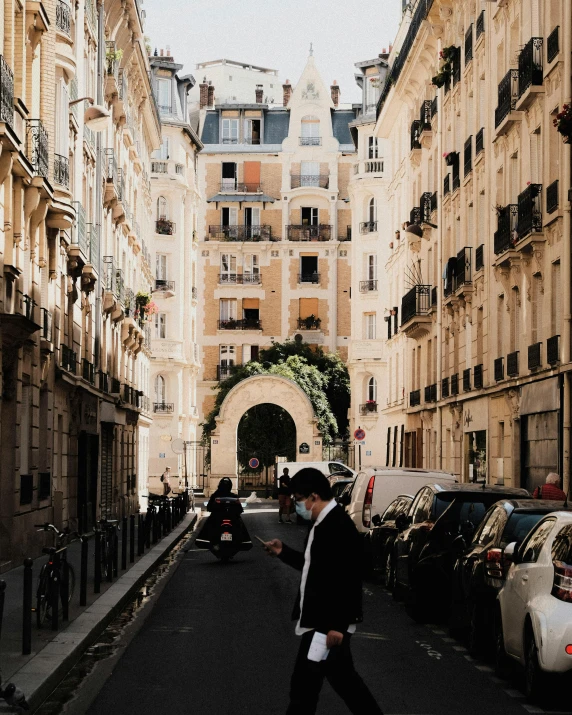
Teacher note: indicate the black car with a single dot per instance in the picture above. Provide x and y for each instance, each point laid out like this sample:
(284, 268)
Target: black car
(380, 540)
(428, 541)
(480, 570)
(339, 486)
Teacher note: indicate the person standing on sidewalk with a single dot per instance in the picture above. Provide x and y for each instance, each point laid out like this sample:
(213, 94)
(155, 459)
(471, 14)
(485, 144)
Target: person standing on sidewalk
(165, 478)
(284, 496)
(329, 603)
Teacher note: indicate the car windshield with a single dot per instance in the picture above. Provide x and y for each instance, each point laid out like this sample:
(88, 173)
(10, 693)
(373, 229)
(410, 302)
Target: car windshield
(468, 506)
(562, 545)
(519, 524)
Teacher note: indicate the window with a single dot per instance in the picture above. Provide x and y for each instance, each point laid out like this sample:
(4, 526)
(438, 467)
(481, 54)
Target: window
(160, 393)
(161, 266)
(370, 326)
(228, 176)
(252, 176)
(164, 94)
(160, 325)
(373, 148)
(252, 131)
(252, 222)
(227, 309)
(229, 217)
(229, 131)
(309, 269)
(372, 211)
(372, 390)
(251, 267)
(163, 152)
(562, 545)
(227, 355)
(310, 131)
(62, 119)
(371, 92)
(309, 216)
(162, 209)
(310, 173)
(372, 267)
(227, 268)
(491, 528)
(532, 547)
(251, 312)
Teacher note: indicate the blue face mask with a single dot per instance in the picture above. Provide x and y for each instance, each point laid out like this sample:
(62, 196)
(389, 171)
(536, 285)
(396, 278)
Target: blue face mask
(302, 511)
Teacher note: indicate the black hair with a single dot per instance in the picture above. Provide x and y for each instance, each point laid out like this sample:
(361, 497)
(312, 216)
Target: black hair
(225, 485)
(311, 481)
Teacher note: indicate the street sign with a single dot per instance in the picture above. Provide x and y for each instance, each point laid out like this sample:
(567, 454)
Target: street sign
(359, 434)
(178, 446)
(253, 463)
(304, 448)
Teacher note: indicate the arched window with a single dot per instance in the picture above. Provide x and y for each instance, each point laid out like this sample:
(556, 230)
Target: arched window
(372, 390)
(160, 389)
(372, 211)
(310, 131)
(162, 209)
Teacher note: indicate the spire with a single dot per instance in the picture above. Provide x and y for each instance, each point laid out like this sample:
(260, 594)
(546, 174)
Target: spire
(311, 49)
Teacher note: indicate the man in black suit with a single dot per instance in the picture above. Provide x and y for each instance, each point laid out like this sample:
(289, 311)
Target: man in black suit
(329, 603)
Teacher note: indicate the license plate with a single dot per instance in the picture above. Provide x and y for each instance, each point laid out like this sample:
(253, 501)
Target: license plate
(226, 537)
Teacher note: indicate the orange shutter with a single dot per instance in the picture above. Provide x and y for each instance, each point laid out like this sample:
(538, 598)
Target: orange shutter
(308, 307)
(248, 303)
(252, 175)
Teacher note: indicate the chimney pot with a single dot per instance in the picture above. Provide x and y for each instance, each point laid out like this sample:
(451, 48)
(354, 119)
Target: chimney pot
(211, 95)
(203, 94)
(286, 92)
(335, 92)
(259, 93)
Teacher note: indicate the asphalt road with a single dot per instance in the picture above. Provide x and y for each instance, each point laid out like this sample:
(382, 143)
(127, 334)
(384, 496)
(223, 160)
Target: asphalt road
(219, 640)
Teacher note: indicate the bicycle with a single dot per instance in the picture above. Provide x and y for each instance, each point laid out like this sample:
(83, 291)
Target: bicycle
(50, 571)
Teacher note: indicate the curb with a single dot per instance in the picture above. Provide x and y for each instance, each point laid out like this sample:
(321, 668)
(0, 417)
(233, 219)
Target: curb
(42, 673)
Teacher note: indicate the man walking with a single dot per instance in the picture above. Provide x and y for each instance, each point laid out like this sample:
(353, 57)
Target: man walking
(284, 496)
(550, 490)
(166, 480)
(329, 602)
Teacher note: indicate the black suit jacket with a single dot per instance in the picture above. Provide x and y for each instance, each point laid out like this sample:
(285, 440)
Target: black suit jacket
(333, 593)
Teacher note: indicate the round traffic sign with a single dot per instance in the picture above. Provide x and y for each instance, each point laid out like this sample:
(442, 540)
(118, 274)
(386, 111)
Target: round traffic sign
(253, 463)
(359, 434)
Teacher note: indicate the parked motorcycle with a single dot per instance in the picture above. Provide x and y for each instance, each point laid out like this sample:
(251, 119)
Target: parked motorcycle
(224, 532)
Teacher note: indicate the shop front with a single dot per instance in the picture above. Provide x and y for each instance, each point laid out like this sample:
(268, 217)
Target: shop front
(540, 432)
(475, 441)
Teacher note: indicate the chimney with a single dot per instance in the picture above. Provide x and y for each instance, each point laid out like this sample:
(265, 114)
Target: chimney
(211, 95)
(287, 92)
(259, 93)
(335, 93)
(204, 94)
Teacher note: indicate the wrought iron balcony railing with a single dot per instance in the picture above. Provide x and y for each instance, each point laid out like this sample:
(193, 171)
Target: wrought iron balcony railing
(507, 96)
(164, 408)
(103, 381)
(68, 359)
(530, 210)
(79, 233)
(552, 197)
(512, 364)
(468, 156)
(111, 59)
(232, 186)
(415, 215)
(110, 274)
(238, 279)
(114, 386)
(309, 323)
(369, 407)
(455, 384)
(553, 45)
(6, 93)
(480, 257)
(444, 388)
(164, 227)
(322, 232)
(367, 286)
(467, 379)
(240, 324)
(507, 228)
(37, 146)
(63, 17)
(469, 45)
(224, 371)
(416, 134)
(46, 323)
(431, 393)
(29, 305)
(425, 115)
(478, 376)
(415, 302)
(459, 271)
(499, 369)
(368, 227)
(88, 371)
(320, 181)
(163, 286)
(414, 398)
(446, 185)
(310, 141)
(119, 285)
(479, 141)
(309, 278)
(61, 170)
(553, 350)
(530, 65)
(241, 233)
(480, 24)
(534, 356)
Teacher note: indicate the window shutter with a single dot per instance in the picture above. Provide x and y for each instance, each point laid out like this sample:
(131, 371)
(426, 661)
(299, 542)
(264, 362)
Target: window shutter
(252, 175)
(308, 307)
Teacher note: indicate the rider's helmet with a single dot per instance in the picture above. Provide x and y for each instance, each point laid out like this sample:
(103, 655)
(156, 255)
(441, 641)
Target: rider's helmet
(225, 485)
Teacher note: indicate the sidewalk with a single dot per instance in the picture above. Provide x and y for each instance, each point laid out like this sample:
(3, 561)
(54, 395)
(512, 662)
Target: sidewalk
(55, 652)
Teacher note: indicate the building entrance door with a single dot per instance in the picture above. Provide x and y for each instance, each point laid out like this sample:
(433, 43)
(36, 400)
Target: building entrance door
(88, 457)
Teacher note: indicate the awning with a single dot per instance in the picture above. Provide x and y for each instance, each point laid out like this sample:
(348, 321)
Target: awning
(241, 198)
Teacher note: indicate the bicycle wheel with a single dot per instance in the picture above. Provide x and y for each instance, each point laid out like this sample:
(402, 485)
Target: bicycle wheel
(71, 582)
(42, 597)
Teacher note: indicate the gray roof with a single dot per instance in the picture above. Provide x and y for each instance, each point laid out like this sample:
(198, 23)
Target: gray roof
(340, 125)
(276, 126)
(211, 129)
(239, 198)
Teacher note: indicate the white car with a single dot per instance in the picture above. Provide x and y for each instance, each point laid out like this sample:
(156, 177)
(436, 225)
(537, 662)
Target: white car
(535, 615)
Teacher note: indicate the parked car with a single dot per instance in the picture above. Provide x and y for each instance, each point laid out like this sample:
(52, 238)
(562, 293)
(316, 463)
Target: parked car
(327, 468)
(376, 487)
(440, 516)
(342, 476)
(380, 541)
(534, 617)
(480, 570)
(339, 486)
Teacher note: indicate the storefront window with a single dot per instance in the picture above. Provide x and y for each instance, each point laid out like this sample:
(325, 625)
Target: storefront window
(477, 455)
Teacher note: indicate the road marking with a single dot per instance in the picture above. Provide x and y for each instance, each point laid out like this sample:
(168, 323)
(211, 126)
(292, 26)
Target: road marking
(469, 658)
(514, 693)
(460, 648)
(533, 709)
(438, 631)
(428, 648)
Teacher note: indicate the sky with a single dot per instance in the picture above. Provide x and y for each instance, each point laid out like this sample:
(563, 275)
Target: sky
(275, 34)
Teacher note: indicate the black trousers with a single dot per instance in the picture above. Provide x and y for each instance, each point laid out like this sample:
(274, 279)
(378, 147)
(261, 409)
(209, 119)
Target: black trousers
(338, 668)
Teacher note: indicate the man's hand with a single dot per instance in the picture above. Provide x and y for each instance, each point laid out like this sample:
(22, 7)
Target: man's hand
(273, 547)
(334, 639)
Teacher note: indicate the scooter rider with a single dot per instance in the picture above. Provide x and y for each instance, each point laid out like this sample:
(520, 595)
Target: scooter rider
(224, 489)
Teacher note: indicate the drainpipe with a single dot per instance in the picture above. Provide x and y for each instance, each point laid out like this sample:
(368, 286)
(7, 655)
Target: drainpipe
(440, 218)
(98, 180)
(566, 268)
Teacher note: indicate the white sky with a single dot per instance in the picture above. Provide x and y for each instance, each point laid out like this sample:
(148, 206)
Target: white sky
(276, 34)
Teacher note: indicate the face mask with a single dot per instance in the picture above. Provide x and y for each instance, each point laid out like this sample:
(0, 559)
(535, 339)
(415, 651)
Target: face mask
(302, 511)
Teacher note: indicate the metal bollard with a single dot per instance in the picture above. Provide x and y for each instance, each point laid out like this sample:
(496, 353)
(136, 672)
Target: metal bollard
(54, 592)
(124, 537)
(140, 535)
(97, 574)
(108, 558)
(132, 538)
(65, 585)
(27, 609)
(83, 572)
(115, 551)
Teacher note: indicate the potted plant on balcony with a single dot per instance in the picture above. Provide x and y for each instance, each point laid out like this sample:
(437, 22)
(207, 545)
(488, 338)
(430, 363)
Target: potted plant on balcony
(371, 405)
(451, 157)
(164, 227)
(563, 122)
(447, 55)
(112, 56)
(312, 322)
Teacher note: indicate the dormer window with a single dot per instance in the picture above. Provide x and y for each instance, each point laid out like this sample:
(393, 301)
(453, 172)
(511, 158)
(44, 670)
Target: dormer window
(164, 95)
(310, 132)
(229, 131)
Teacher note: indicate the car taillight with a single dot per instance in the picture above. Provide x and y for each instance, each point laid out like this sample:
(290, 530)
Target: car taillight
(367, 502)
(568, 649)
(562, 584)
(494, 563)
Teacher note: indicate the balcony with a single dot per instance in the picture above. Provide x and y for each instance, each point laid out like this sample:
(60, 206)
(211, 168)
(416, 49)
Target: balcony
(416, 311)
(37, 147)
(368, 227)
(431, 393)
(455, 384)
(469, 45)
(459, 272)
(237, 279)
(310, 141)
(415, 133)
(553, 350)
(103, 381)
(68, 359)
(480, 257)
(224, 371)
(530, 72)
(319, 181)
(446, 185)
(309, 323)
(467, 380)
(61, 171)
(163, 408)
(230, 186)
(553, 45)
(478, 377)
(552, 197)
(88, 371)
(479, 142)
(367, 286)
(309, 278)
(63, 17)
(322, 232)
(164, 227)
(79, 239)
(369, 166)
(241, 233)
(242, 324)
(444, 388)
(414, 398)
(512, 364)
(499, 369)
(529, 210)
(368, 408)
(507, 228)
(507, 98)
(167, 288)
(6, 93)
(113, 175)
(468, 156)
(480, 24)
(159, 167)
(115, 386)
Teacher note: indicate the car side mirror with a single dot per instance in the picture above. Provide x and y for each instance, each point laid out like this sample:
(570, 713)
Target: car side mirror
(510, 553)
(376, 520)
(402, 522)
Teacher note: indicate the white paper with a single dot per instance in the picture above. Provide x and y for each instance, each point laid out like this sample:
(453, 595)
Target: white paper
(318, 650)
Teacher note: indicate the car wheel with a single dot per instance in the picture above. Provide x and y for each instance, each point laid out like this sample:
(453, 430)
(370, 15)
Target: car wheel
(389, 572)
(535, 678)
(502, 664)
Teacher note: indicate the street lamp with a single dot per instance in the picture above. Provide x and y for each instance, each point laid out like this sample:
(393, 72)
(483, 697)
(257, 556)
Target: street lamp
(96, 117)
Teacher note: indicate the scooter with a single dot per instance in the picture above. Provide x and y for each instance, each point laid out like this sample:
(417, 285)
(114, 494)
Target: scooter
(224, 533)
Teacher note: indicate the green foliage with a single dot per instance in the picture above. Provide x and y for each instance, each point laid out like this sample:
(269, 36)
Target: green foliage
(279, 439)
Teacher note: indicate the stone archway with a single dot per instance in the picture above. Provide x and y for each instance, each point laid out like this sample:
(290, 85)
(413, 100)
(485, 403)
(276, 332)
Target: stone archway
(253, 391)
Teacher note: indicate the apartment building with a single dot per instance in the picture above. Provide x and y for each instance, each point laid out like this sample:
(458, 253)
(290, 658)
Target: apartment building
(78, 123)
(174, 250)
(479, 186)
(275, 262)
